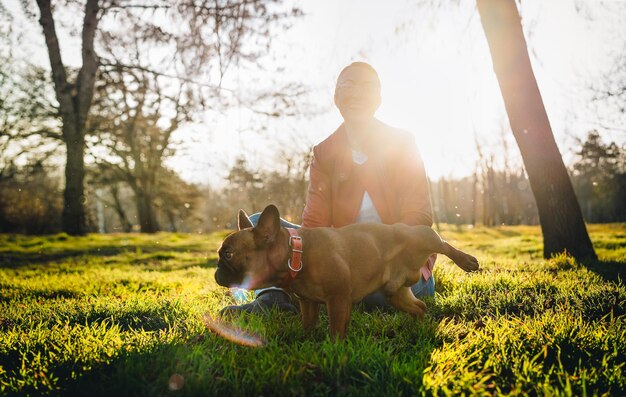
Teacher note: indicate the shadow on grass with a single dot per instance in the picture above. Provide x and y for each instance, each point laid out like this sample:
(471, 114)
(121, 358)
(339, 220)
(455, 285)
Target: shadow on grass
(507, 233)
(14, 260)
(614, 271)
(204, 264)
(292, 363)
(11, 293)
(236, 371)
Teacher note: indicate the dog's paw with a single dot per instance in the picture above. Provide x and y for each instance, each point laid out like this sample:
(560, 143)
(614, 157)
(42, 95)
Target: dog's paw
(419, 309)
(466, 262)
(405, 301)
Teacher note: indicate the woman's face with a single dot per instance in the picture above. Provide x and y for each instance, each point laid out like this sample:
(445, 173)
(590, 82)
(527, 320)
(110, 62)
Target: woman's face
(357, 94)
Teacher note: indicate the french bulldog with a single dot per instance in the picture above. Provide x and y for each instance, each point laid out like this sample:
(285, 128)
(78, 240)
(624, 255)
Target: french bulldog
(338, 266)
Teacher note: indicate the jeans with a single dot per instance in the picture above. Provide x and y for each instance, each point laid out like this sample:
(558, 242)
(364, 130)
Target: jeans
(423, 288)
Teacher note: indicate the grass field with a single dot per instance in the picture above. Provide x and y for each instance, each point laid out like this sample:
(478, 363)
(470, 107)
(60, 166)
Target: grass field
(119, 315)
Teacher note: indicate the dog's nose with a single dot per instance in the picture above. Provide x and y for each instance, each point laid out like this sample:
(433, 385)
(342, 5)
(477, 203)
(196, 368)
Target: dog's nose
(224, 275)
(219, 278)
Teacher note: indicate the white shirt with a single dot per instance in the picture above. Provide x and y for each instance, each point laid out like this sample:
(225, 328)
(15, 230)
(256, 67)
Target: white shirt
(367, 212)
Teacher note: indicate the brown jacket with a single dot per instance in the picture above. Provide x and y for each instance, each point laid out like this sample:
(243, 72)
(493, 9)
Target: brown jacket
(393, 175)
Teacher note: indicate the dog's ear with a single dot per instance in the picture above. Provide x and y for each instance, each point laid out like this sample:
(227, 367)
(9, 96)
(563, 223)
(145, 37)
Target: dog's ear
(243, 222)
(268, 226)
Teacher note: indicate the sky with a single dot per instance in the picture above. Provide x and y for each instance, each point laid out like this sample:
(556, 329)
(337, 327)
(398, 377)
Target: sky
(436, 75)
(437, 80)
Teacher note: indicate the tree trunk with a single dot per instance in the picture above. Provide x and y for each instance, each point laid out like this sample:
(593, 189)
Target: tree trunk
(171, 216)
(474, 197)
(559, 212)
(74, 193)
(119, 209)
(74, 104)
(145, 210)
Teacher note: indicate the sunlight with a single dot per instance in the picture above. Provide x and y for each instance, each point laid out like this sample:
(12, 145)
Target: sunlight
(444, 103)
(437, 83)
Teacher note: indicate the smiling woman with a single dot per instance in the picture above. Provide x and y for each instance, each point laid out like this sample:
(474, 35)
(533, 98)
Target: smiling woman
(438, 82)
(357, 94)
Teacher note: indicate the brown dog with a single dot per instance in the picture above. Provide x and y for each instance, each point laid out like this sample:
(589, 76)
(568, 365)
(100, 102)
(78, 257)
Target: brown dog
(339, 266)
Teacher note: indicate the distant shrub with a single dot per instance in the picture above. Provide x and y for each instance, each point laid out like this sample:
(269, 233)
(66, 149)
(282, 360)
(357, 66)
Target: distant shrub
(30, 204)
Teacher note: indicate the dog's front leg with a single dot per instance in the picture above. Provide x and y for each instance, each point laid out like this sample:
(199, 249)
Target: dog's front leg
(310, 313)
(339, 309)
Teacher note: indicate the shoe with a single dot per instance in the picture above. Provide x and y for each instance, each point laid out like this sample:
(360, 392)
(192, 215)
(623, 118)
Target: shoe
(264, 302)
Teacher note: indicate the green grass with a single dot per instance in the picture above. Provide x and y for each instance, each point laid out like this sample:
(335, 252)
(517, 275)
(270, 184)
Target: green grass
(120, 314)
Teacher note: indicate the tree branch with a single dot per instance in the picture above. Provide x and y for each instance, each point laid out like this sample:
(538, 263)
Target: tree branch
(87, 75)
(62, 87)
(107, 62)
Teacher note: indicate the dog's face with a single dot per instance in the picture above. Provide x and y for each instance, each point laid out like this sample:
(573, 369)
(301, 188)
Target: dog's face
(235, 257)
(249, 257)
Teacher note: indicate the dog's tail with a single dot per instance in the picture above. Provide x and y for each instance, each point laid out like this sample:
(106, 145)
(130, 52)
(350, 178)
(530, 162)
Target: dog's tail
(430, 240)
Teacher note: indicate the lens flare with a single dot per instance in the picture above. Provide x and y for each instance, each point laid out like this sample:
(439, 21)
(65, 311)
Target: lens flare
(246, 283)
(232, 333)
(239, 294)
(176, 382)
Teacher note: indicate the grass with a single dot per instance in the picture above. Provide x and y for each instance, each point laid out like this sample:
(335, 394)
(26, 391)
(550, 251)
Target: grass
(120, 314)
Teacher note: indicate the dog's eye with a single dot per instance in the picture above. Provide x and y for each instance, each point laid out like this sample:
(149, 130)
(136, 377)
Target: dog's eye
(228, 255)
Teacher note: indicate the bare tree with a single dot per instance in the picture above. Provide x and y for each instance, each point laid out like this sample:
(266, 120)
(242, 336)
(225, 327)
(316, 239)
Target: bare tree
(559, 212)
(608, 89)
(74, 102)
(28, 122)
(201, 39)
(134, 119)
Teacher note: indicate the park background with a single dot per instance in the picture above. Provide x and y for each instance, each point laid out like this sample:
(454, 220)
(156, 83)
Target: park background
(241, 133)
(132, 132)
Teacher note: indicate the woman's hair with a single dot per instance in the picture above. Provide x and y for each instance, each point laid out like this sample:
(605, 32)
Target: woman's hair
(363, 65)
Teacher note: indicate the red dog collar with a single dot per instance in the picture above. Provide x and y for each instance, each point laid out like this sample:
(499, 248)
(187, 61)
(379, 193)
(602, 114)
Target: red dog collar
(294, 263)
